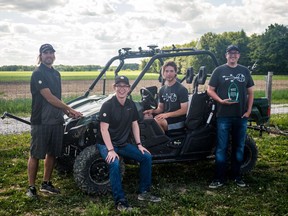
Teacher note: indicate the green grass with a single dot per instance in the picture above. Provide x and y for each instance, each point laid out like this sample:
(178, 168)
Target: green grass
(182, 187)
(21, 107)
(278, 96)
(275, 77)
(277, 119)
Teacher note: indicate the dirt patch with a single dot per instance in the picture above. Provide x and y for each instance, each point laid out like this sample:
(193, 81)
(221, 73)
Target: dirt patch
(76, 88)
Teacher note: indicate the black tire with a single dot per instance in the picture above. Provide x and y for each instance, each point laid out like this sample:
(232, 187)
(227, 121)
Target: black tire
(250, 155)
(91, 172)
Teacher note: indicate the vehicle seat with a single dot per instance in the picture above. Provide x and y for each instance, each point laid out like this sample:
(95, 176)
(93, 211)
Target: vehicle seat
(198, 110)
(177, 132)
(151, 133)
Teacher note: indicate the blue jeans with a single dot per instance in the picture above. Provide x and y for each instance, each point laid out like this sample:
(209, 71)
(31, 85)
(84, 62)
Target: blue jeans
(237, 127)
(132, 152)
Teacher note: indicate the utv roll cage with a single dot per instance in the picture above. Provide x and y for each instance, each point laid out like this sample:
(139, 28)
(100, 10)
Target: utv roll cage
(154, 53)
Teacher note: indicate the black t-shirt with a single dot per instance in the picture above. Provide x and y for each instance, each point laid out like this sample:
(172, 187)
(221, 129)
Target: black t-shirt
(173, 96)
(225, 77)
(42, 111)
(119, 118)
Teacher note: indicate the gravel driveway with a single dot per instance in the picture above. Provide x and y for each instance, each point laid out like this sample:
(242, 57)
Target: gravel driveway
(11, 126)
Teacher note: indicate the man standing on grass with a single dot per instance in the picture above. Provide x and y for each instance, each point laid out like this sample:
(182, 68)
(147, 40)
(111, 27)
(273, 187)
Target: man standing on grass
(231, 86)
(46, 120)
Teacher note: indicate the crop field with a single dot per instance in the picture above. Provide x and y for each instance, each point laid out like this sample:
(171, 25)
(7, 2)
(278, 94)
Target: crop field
(15, 96)
(16, 84)
(19, 76)
(22, 76)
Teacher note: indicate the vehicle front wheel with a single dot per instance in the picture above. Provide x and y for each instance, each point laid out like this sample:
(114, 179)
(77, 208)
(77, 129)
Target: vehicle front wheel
(91, 172)
(250, 155)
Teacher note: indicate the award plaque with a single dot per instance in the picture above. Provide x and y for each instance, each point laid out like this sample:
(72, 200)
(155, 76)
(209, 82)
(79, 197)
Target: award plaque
(233, 92)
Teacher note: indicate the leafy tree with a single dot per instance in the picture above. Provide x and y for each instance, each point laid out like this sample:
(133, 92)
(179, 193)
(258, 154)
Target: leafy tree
(271, 49)
(217, 43)
(131, 66)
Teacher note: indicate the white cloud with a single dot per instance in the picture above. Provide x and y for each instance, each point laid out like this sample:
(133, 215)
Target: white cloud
(92, 31)
(30, 5)
(4, 28)
(21, 29)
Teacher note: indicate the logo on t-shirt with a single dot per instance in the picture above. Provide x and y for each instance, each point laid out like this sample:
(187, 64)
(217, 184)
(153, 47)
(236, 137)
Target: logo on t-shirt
(172, 97)
(40, 82)
(238, 77)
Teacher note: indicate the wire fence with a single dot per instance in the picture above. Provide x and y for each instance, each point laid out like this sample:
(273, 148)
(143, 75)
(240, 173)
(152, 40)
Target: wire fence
(72, 89)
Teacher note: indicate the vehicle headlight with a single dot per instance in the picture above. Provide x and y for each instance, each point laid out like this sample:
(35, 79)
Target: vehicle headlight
(77, 131)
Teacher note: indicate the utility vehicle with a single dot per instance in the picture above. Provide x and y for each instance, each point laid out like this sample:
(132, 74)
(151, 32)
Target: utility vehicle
(194, 142)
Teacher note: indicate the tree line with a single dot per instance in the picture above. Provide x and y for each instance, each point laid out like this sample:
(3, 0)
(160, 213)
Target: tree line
(269, 50)
(57, 67)
(130, 66)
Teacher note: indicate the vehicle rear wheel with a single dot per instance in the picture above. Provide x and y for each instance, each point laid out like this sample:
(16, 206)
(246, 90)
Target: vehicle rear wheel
(91, 172)
(250, 155)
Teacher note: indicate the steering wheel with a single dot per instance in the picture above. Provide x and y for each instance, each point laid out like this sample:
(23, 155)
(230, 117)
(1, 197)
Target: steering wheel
(148, 100)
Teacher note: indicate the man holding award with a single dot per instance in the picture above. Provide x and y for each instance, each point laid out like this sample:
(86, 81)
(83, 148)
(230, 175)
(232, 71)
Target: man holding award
(231, 86)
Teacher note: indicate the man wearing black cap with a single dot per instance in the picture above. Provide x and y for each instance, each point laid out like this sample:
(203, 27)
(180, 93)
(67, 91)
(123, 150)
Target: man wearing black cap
(118, 117)
(231, 86)
(46, 120)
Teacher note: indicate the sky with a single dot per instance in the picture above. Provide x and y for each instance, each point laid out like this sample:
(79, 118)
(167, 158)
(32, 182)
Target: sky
(92, 31)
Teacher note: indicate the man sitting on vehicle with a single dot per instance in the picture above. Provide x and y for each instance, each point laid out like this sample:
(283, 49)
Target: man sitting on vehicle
(173, 101)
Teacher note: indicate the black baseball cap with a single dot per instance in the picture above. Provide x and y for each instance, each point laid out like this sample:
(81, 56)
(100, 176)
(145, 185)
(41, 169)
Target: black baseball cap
(123, 79)
(46, 47)
(232, 47)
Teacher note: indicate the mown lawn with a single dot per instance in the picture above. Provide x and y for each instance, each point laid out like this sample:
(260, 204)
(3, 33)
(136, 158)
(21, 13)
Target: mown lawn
(183, 187)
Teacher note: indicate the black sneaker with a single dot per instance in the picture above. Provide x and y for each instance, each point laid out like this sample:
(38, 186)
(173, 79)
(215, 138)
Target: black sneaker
(216, 184)
(240, 183)
(147, 196)
(123, 205)
(32, 192)
(47, 187)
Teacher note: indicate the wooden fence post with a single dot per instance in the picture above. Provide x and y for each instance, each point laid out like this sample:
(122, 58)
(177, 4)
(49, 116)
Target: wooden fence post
(268, 92)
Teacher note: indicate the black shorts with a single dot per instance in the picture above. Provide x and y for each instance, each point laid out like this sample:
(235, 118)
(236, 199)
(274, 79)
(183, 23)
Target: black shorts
(46, 139)
(176, 123)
